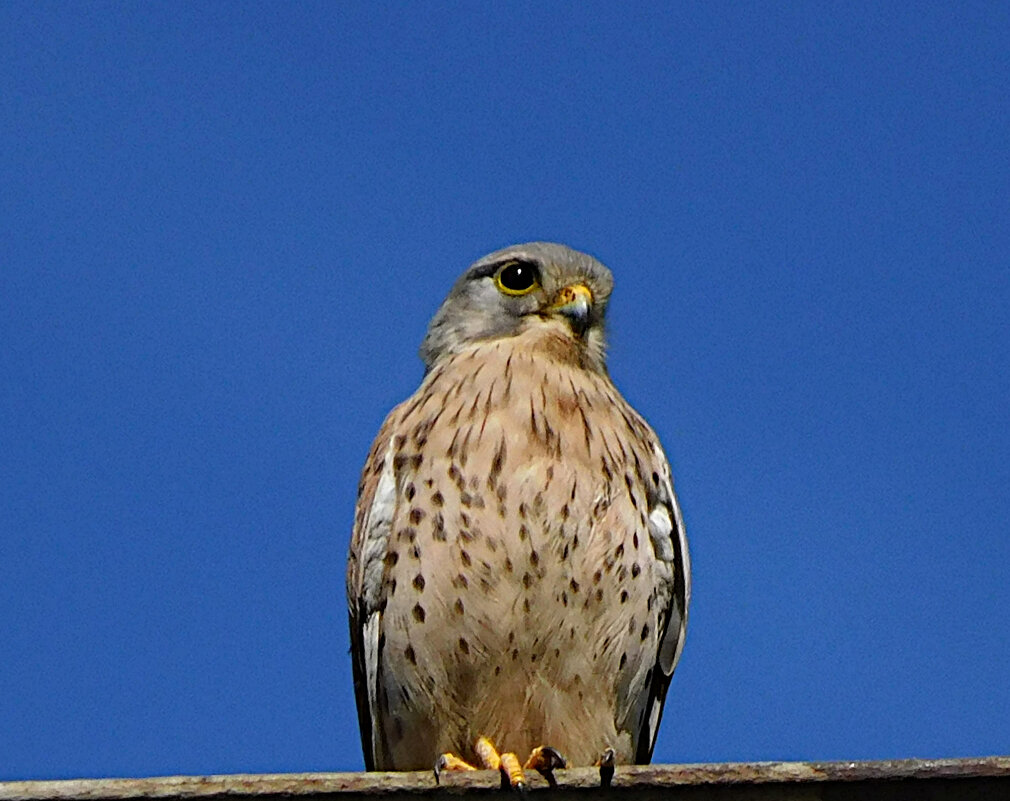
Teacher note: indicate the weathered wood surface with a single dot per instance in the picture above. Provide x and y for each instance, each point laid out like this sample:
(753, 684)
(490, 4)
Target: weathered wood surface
(981, 778)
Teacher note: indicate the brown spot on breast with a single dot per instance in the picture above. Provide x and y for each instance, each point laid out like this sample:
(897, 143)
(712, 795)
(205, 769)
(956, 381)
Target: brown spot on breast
(408, 491)
(416, 515)
(407, 533)
(438, 499)
(497, 461)
(409, 655)
(418, 612)
(464, 557)
(464, 646)
(419, 582)
(458, 606)
(635, 570)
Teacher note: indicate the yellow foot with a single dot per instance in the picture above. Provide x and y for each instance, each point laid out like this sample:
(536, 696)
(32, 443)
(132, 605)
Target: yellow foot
(606, 763)
(507, 764)
(545, 760)
(450, 762)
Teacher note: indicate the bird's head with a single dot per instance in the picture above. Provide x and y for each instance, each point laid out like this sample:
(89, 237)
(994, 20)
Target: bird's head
(538, 286)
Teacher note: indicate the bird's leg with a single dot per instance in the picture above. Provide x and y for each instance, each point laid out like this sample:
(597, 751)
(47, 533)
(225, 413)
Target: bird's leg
(448, 761)
(507, 764)
(545, 760)
(606, 764)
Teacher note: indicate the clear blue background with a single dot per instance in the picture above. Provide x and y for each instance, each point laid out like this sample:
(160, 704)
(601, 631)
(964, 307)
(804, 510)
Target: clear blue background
(224, 227)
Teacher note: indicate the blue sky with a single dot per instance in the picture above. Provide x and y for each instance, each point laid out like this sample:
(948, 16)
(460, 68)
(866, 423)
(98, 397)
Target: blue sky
(225, 228)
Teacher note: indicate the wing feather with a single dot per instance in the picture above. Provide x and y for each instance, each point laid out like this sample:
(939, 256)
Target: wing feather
(669, 538)
(365, 563)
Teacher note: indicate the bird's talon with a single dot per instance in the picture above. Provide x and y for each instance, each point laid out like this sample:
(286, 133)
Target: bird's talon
(487, 753)
(450, 762)
(545, 760)
(513, 771)
(606, 764)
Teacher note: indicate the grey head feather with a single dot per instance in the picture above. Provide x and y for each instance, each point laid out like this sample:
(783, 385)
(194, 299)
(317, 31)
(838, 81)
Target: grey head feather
(475, 309)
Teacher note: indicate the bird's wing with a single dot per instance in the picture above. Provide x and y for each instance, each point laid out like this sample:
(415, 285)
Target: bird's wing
(669, 541)
(373, 518)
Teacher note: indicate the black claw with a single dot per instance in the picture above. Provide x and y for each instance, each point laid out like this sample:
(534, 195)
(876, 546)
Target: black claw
(555, 760)
(550, 760)
(607, 760)
(507, 785)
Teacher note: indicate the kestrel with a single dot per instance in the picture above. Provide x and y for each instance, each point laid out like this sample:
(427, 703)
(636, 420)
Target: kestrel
(518, 573)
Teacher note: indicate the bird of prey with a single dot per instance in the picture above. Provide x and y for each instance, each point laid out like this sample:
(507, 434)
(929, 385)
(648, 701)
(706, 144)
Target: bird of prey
(518, 572)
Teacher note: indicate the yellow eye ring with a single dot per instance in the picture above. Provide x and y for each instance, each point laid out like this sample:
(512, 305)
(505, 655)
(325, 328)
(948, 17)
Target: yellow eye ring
(517, 278)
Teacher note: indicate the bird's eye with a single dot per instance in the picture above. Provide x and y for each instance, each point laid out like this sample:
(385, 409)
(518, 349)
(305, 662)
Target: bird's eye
(517, 278)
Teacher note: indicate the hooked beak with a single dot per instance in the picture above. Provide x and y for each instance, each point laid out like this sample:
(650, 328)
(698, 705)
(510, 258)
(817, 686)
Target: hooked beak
(575, 302)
